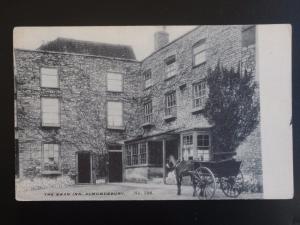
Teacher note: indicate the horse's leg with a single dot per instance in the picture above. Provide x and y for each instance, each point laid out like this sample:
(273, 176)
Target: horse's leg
(194, 185)
(178, 180)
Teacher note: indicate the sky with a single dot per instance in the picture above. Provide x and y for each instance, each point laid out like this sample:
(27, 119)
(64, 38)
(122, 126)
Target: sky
(141, 38)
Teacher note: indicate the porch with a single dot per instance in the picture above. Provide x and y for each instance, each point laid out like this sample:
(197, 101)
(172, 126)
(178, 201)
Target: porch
(146, 158)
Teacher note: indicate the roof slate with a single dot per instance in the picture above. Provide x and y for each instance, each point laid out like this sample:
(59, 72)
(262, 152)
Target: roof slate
(89, 48)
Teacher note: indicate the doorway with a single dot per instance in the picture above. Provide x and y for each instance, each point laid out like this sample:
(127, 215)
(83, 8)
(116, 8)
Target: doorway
(84, 167)
(115, 166)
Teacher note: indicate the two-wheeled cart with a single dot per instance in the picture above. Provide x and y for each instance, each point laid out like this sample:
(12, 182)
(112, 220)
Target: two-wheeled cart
(225, 173)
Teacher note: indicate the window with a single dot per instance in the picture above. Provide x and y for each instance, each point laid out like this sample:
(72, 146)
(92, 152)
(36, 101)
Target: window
(199, 94)
(171, 66)
(187, 146)
(128, 155)
(49, 77)
(115, 82)
(248, 36)
(188, 139)
(170, 101)
(199, 53)
(50, 112)
(147, 77)
(136, 154)
(115, 114)
(148, 112)
(51, 157)
(143, 153)
(203, 147)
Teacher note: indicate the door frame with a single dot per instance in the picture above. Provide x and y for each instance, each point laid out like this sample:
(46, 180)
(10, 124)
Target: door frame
(91, 166)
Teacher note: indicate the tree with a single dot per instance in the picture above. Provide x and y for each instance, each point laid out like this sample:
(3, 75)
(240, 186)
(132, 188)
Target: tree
(232, 107)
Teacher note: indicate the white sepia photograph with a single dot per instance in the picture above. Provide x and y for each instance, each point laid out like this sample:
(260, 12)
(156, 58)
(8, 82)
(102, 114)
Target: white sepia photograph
(151, 113)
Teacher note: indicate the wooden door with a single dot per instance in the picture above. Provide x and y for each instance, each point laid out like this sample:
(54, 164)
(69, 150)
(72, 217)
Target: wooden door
(84, 167)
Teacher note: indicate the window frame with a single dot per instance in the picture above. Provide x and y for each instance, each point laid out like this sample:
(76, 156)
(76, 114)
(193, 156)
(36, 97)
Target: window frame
(58, 158)
(141, 158)
(57, 77)
(107, 115)
(202, 97)
(148, 113)
(171, 62)
(144, 153)
(147, 81)
(122, 81)
(207, 150)
(187, 135)
(42, 111)
(169, 109)
(197, 44)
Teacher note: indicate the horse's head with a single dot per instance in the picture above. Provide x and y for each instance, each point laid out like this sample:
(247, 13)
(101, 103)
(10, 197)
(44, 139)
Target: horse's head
(171, 163)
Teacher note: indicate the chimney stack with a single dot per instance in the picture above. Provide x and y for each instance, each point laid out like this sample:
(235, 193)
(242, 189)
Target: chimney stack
(161, 38)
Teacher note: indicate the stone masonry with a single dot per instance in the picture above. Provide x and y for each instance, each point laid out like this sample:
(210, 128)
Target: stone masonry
(83, 95)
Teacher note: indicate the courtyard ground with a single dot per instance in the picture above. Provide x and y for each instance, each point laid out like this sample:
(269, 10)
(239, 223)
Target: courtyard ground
(119, 191)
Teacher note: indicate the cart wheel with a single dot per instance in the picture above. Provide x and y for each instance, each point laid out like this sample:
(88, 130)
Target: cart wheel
(232, 186)
(206, 183)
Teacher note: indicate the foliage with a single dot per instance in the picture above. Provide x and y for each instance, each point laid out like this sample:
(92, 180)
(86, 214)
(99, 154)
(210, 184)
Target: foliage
(251, 184)
(232, 107)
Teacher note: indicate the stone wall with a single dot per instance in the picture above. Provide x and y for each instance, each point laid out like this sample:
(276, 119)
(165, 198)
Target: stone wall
(83, 97)
(224, 45)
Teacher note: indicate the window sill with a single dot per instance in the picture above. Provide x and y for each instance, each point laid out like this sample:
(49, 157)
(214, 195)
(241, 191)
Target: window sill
(169, 78)
(197, 110)
(121, 128)
(53, 88)
(170, 117)
(147, 125)
(114, 91)
(51, 125)
(50, 172)
(198, 65)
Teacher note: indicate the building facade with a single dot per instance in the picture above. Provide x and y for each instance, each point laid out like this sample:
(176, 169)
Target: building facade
(73, 108)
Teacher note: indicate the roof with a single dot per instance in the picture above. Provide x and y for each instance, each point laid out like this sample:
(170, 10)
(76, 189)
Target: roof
(89, 48)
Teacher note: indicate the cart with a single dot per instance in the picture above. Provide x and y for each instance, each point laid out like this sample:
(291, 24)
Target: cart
(225, 173)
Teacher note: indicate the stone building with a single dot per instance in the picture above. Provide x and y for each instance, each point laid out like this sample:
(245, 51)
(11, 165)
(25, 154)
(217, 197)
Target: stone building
(74, 102)
(79, 100)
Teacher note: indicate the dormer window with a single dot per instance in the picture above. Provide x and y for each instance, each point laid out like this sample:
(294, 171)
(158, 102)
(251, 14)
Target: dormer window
(171, 66)
(147, 78)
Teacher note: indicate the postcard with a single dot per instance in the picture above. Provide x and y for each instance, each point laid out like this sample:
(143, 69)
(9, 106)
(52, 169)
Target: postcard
(153, 112)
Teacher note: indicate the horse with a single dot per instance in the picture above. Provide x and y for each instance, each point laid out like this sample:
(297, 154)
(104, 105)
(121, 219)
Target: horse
(182, 168)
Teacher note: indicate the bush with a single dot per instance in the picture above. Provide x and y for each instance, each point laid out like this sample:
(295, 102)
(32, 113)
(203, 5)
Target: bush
(38, 183)
(251, 184)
